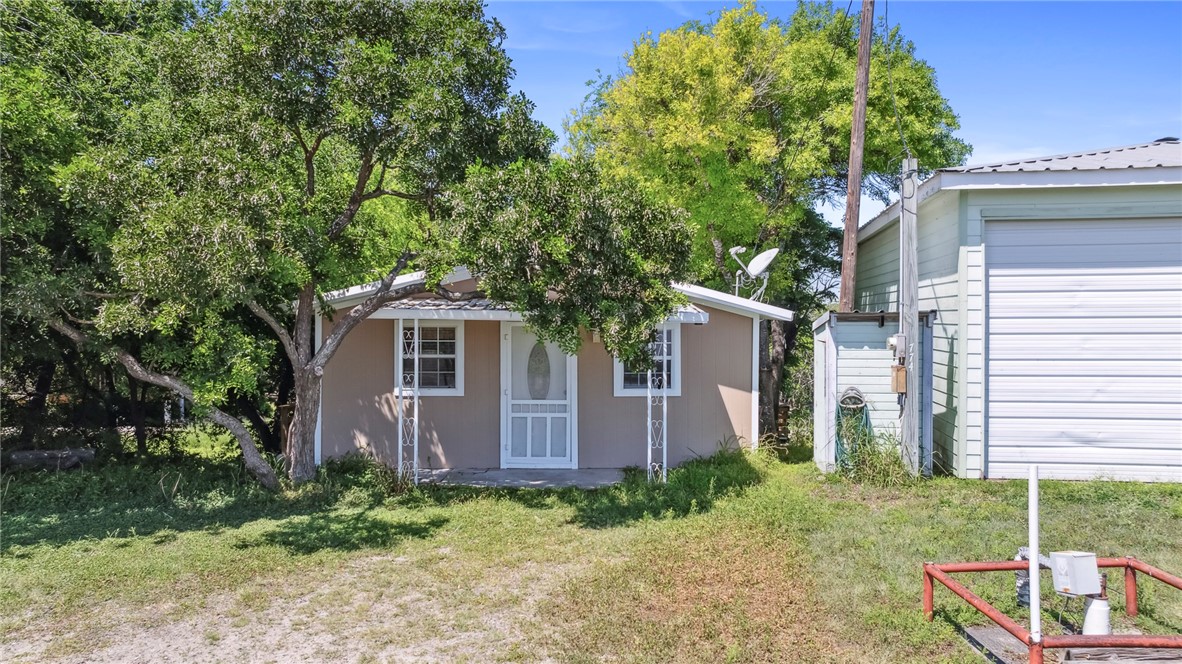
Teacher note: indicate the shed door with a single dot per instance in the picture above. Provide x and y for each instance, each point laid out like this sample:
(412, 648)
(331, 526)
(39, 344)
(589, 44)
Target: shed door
(1084, 352)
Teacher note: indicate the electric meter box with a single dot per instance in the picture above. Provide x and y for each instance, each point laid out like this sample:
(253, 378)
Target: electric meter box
(1075, 573)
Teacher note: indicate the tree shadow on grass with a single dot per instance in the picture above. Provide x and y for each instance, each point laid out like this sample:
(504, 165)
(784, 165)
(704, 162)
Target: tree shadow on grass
(126, 503)
(120, 501)
(342, 532)
(692, 488)
(1008, 657)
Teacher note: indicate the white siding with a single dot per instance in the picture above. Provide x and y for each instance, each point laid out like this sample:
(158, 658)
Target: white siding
(877, 287)
(876, 284)
(864, 362)
(1085, 348)
(856, 354)
(939, 290)
(823, 400)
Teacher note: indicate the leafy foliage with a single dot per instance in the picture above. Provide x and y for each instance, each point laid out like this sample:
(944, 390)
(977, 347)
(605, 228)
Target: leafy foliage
(572, 249)
(745, 122)
(68, 73)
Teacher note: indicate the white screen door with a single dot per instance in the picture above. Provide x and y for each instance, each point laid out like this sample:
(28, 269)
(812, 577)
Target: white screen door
(537, 392)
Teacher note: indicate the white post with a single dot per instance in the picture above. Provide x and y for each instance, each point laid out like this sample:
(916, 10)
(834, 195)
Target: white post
(318, 436)
(1032, 518)
(415, 396)
(665, 406)
(400, 382)
(648, 420)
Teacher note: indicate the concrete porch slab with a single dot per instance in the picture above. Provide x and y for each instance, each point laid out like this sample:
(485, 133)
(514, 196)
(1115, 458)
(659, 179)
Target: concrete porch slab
(525, 478)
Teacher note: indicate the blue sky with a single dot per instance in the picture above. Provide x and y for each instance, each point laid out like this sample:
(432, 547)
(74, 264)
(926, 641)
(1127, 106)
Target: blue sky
(1026, 78)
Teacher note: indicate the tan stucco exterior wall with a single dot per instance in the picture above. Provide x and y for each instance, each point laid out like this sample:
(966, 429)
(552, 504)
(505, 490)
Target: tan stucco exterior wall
(715, 399)
(360, 413)
(464, 432)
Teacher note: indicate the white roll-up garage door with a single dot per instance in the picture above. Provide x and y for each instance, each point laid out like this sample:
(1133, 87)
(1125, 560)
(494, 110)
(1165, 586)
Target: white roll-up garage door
(1084, 350)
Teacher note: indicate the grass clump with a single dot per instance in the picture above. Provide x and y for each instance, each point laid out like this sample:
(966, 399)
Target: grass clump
(869, 458)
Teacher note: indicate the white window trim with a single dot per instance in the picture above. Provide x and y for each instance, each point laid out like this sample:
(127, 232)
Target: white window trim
(458, 390)
(674, 390)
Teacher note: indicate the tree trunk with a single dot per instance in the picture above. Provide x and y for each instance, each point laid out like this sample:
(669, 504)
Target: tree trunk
(262, 431)
(282, 399)
(309, 356)
(301, 438)
(772, 356)
(137, 394)
(111, 402)
(767, 421)
(256, 465)
(35, 409)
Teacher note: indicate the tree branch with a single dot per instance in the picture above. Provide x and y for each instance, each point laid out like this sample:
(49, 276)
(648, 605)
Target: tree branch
(280, 331)
(310, 159)
(355, 199)
(378, 193)
(254, 461)
(384, 294)
(103, 296)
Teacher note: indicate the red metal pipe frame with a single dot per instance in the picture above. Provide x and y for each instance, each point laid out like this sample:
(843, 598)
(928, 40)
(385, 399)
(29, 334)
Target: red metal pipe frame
(1131, 591)
(1131, 565)
(1112, 641)
(1005, 622)
(1153, 572)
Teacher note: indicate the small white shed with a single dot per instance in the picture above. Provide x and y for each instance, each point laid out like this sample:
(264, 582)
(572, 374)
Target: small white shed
(852, 350)
(1058, 283)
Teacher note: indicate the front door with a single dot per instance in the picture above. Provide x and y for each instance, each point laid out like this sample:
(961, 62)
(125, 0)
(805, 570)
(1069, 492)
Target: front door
(537, 402)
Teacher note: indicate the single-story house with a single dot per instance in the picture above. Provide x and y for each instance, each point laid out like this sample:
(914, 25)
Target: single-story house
(490, 394)
(1057, 283)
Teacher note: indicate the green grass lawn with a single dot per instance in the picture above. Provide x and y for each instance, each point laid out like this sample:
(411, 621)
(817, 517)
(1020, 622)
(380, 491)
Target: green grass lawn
(740, 558)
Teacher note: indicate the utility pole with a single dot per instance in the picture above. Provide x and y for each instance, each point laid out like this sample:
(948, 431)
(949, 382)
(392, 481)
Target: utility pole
(849, 249)
(909, 316)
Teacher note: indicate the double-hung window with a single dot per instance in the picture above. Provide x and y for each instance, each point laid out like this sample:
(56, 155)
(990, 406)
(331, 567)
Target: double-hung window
(633, 381)
(441, 357)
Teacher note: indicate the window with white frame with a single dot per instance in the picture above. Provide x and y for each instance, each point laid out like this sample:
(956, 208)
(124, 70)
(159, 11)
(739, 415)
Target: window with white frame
(441, 357)
(633, 381)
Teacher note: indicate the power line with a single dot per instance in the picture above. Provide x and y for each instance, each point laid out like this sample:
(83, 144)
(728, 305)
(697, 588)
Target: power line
(886, 16)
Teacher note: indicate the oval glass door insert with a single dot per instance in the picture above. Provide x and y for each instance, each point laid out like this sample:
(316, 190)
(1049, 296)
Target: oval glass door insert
(537, 372)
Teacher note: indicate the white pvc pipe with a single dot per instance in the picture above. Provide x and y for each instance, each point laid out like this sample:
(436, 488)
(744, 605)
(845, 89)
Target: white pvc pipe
(1035, 596)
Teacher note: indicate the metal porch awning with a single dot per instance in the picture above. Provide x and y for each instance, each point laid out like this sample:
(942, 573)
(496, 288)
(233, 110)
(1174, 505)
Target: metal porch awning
(437, 308)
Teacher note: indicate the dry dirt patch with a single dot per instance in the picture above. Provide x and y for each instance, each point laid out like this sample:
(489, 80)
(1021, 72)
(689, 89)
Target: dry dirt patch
(378, 608)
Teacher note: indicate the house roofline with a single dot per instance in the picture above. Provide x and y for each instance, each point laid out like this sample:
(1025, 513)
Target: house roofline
(355, 295)
(943, 181)
(733, 303)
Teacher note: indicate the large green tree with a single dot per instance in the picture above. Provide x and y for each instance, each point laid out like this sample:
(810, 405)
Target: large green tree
(745, 122)
(69, 72)
(286, 149)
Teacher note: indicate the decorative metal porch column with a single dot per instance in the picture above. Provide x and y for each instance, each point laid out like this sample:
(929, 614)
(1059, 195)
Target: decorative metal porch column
(656, 432)
(408, 426)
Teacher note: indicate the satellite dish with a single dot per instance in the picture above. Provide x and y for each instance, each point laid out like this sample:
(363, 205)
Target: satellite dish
(760, 263)
(753, 272)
